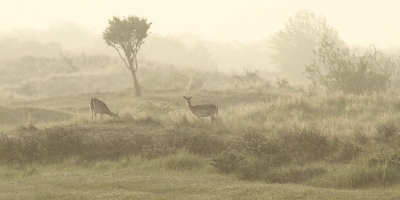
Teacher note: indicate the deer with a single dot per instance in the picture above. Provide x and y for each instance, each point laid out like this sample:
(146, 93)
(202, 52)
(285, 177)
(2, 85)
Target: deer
(205, 110)
(98, 106)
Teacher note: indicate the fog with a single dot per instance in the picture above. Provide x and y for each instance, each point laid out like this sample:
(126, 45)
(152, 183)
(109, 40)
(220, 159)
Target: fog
(236, 22)
(358, 22)
(226, 36)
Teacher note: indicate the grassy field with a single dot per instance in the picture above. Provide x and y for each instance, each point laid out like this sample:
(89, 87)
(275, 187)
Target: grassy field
(143, 179)
(272, 144)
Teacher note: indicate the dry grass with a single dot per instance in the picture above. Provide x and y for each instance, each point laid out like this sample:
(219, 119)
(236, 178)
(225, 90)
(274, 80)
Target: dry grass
(354, 119)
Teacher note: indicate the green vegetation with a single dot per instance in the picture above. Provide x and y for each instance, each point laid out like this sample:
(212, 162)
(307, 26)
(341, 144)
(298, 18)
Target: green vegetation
(266, 144)
(270, 141)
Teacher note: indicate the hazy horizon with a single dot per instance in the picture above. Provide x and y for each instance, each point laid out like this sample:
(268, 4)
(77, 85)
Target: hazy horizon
(358, 22)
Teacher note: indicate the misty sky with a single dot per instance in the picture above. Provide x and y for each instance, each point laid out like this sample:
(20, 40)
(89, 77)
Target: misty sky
(359, 22)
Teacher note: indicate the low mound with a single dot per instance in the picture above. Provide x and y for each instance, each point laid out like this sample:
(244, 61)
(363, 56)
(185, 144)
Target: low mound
(18, 115)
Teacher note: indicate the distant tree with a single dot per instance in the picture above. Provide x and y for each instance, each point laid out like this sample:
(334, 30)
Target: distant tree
(343, 69)
(293, 46)
(127, 35)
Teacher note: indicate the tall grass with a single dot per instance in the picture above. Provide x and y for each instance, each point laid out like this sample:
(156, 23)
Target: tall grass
(287, 138)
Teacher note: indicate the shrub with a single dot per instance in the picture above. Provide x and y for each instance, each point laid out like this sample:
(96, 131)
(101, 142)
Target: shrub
(249, 170)
(282, 83)
(200, 142)
(262, 155)
(113, 147)
(269, 152)
(29, 147)
(387, 132)
(345, 151)
(341, 69)
(157, 150)
(304, 145)
(59, 143)
(227, 161)
(394, 161)
(361, 137)
(8, 148)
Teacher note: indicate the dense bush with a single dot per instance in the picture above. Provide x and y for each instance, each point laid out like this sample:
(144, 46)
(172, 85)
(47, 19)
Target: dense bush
(304, 144)
(58, 143)
(201, 142)
(227, 161)
(387, 132)
(157, 150)
(267, 153)
(343, 151)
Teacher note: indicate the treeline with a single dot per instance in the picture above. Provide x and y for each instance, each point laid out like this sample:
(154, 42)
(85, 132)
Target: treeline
(185, 51)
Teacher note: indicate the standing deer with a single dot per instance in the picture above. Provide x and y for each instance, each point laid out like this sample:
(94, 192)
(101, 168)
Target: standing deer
(205, 110)
(97, 106)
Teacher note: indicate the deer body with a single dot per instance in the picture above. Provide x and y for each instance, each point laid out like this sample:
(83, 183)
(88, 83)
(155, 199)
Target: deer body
(98, 106)
(205, 110)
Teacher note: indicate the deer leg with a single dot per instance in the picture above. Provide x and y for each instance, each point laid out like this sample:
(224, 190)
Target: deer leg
(100, 116)
(213, 119)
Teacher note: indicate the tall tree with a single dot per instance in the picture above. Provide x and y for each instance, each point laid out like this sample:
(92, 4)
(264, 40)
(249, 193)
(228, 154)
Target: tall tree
(294, 45)
(127, 35)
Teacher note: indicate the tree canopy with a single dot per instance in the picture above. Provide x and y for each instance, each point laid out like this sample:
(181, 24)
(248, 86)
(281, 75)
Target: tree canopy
(294, 45)
(128, 35)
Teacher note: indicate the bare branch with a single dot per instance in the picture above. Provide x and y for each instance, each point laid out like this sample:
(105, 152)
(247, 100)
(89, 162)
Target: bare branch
(119, 53)
(69, 62)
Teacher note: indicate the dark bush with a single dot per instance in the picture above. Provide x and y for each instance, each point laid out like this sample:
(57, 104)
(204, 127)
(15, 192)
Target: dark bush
(30, 147)
(360, 138)
(8, 148)
(266, 151)
(59, 143)
(304, 144)
(227, 161)
(394, 161)
(343, 151)
(249, 170)
(261, 155)
(387, 132)
(201, 142)
(157, 150)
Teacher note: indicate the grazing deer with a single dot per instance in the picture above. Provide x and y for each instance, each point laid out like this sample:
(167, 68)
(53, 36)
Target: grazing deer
(205, 110)
(97, 106)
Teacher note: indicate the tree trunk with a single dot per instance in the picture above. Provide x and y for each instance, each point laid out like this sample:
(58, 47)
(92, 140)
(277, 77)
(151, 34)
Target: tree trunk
(138, 91)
